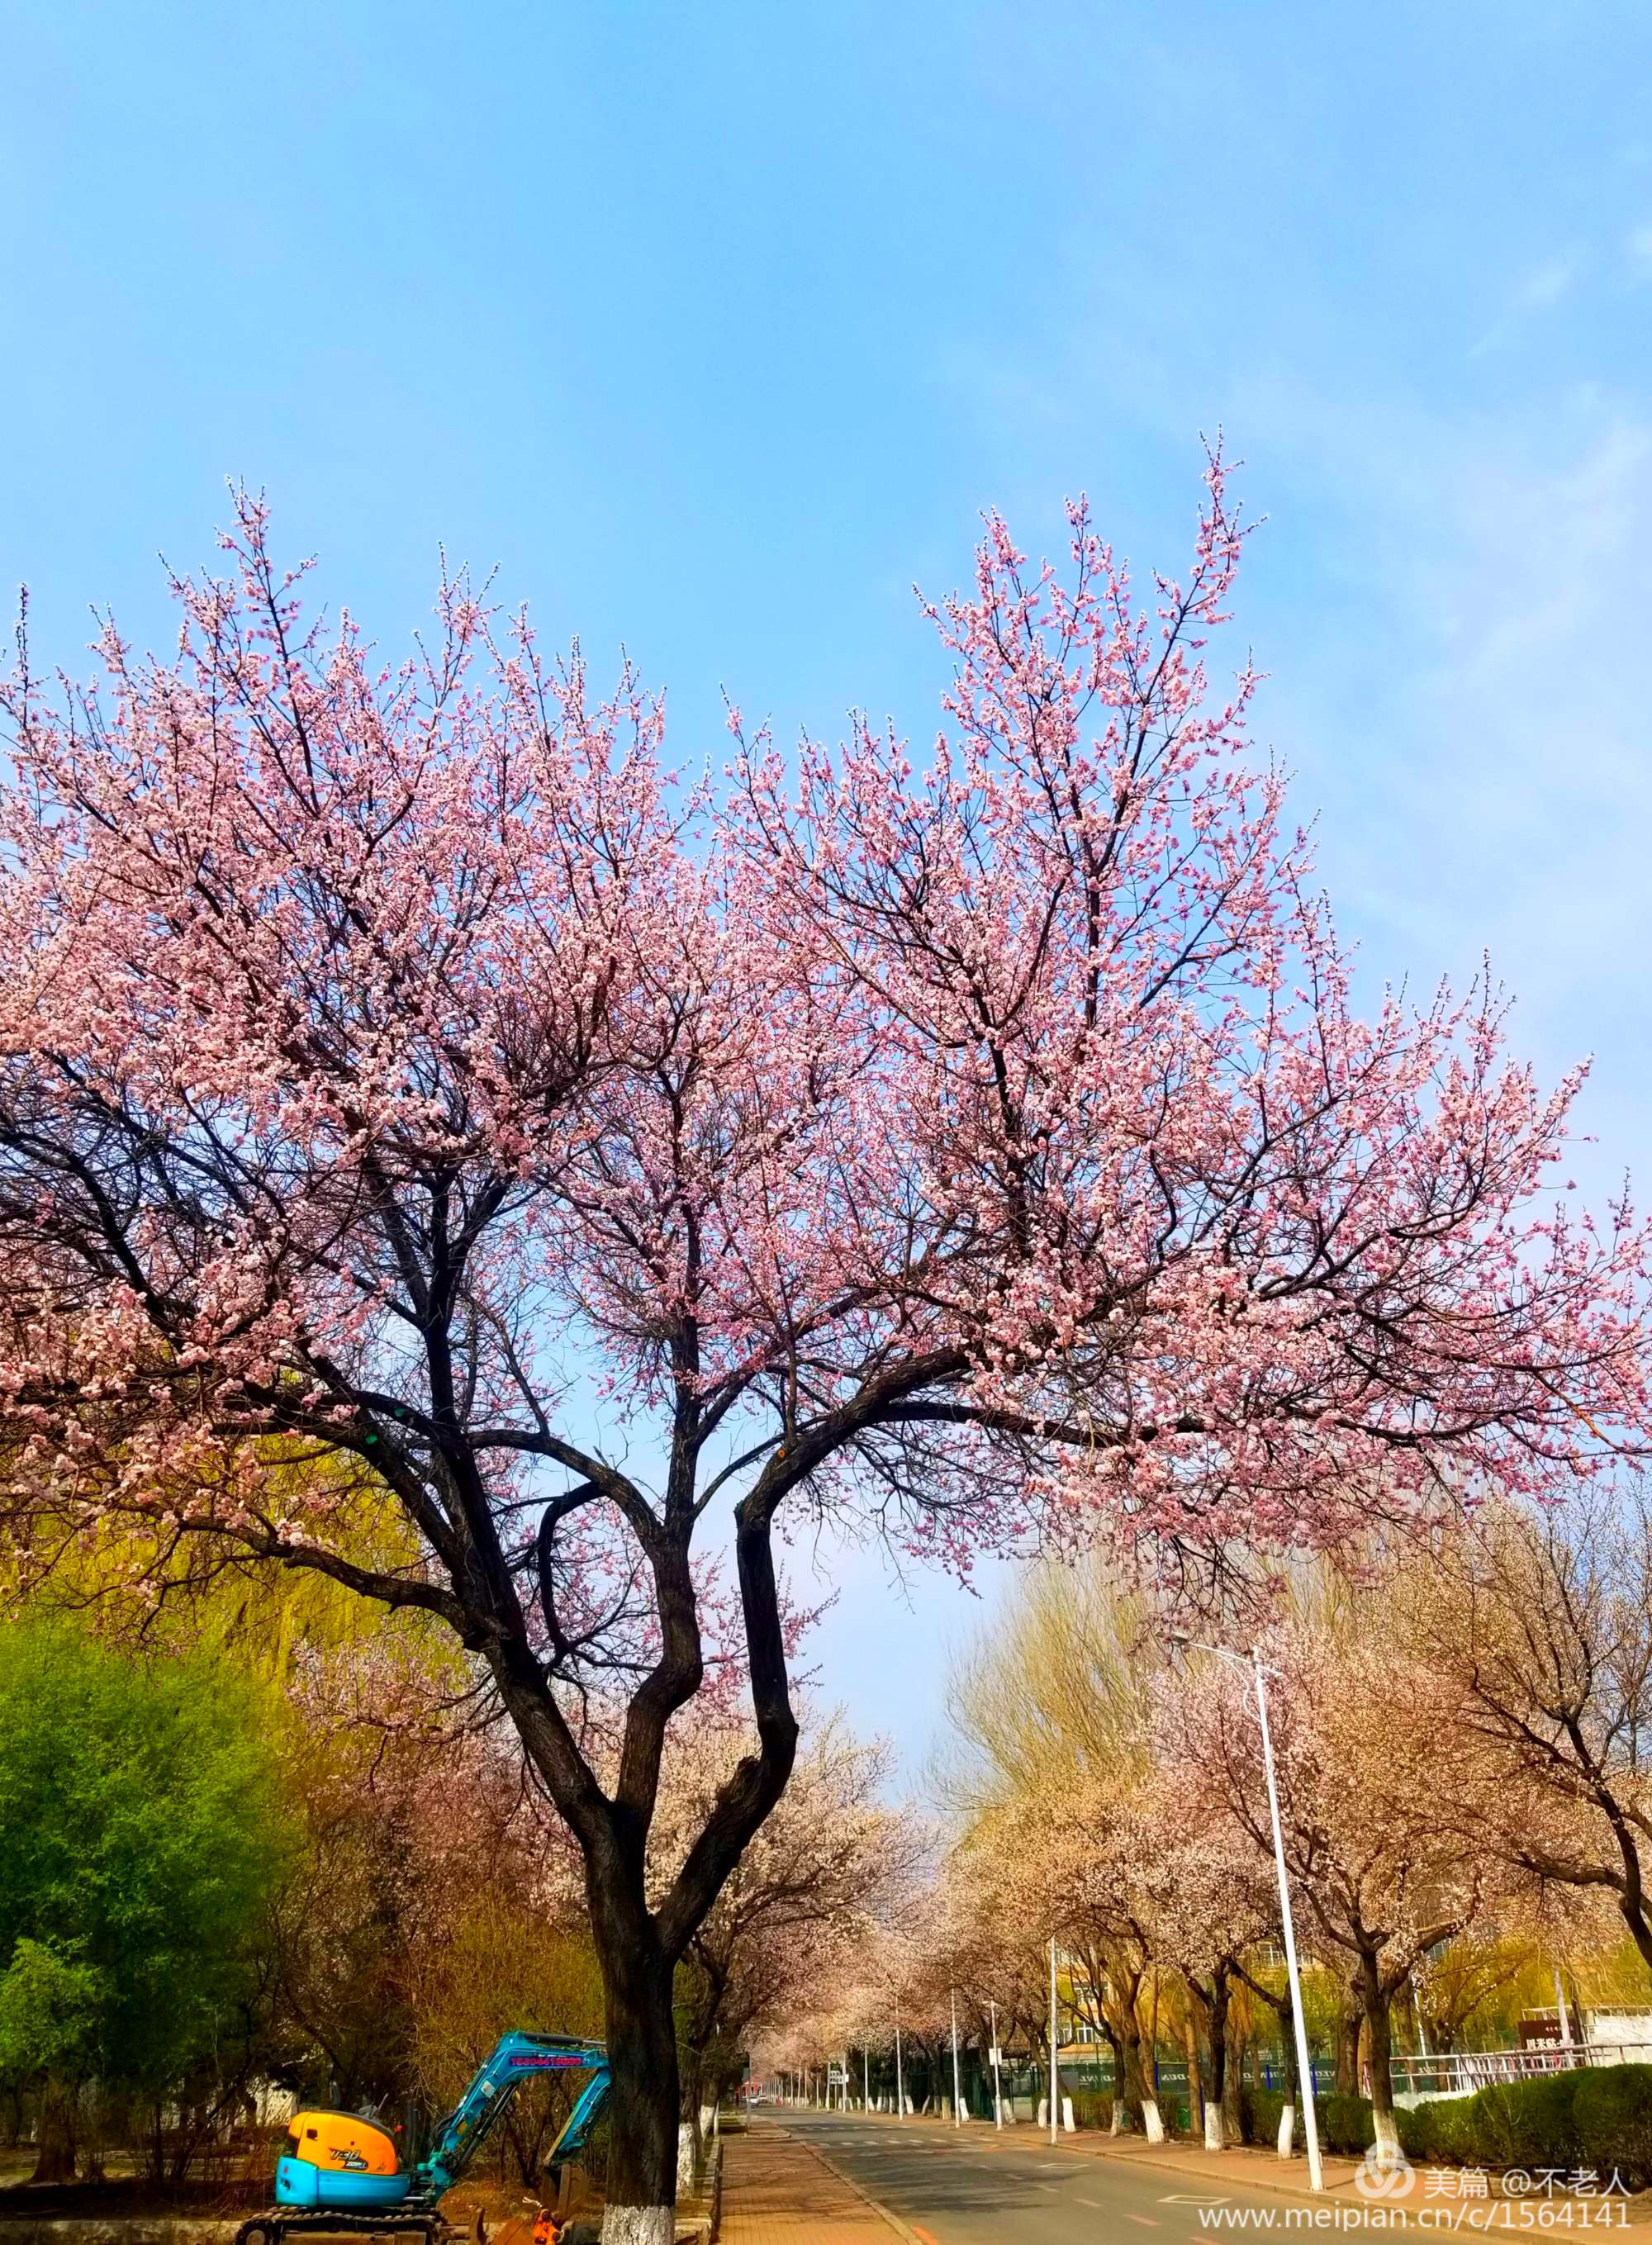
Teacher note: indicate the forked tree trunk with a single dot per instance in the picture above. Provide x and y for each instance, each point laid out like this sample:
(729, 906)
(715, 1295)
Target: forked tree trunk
(1141, 2102)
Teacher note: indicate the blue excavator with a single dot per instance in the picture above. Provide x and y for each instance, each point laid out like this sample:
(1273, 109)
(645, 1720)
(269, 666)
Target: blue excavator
(342, 2173)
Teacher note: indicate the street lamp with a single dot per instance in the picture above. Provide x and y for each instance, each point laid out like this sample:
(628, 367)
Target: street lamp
(1055, 2077)
(1304, 2064)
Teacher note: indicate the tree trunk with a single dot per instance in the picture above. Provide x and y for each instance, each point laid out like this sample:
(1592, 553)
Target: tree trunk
(692, 2096)
(644, 2098)
(55, 2158)
(1632, 1904)
(1377, 2001)
(1208, 2058)
(1288, 2066)
(1111, 2036)
(1348, 2054)
(1216, 2037)
(1232, 2081)
(1135, 2087)
(1190, 2051)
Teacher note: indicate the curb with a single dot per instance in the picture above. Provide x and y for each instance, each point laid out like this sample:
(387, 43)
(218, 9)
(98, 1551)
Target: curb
(901, 2228)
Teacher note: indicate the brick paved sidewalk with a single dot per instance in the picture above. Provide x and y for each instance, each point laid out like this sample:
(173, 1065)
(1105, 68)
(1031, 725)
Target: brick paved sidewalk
(776, 2192)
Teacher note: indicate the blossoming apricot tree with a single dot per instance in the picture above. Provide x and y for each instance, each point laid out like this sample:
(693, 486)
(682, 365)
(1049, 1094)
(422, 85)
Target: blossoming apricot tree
(400, 1068)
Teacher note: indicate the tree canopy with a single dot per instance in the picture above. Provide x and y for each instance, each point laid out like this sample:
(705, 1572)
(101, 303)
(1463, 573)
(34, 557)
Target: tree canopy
(407, 1066)
(140, 1840)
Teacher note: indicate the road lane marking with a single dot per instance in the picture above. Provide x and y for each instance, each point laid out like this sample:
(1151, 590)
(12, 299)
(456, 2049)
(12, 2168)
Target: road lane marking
(1095, 2202)
(1146, 2219)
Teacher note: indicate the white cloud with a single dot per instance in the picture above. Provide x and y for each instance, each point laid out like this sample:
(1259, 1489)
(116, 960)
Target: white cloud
(1545, 285)
(1638, 248)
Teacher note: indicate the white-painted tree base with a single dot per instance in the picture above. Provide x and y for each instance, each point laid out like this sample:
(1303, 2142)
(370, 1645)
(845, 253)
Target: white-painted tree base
(1213, 2125)
(1152, 2125)
(1287, 2129)
(639, 2225)
(1386, 2145)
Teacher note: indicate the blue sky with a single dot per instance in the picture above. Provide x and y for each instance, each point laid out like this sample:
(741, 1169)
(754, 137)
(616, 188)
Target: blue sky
(714, 325)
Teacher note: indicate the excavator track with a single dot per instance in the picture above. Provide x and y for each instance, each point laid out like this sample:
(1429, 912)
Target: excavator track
(276, 2223)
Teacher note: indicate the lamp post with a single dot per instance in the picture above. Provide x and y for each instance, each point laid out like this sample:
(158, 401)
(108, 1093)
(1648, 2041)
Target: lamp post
(1055, 2116)
(900, 2084)
(997, 2091)
(1304, 2064)
(958, 2094)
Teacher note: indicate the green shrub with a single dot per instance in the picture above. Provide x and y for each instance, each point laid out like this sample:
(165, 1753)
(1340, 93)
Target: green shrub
(1092, 2108)
(1612, 2122)
(1432, 2135)
(1344, 2123)
(1523, 2124)
(1597, 2117)
(1259, 2111)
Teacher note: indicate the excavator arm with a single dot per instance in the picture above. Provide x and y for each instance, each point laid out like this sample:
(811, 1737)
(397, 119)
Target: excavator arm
(491, 2089)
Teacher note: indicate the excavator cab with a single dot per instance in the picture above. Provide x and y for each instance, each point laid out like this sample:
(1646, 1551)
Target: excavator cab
(339, 2159)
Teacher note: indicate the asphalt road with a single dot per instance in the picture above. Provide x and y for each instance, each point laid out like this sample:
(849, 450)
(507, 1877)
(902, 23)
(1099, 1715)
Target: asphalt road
(975, 2186)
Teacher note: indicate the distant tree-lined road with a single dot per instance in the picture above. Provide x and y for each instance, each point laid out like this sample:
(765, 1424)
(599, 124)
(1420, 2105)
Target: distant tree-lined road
(975, 2187)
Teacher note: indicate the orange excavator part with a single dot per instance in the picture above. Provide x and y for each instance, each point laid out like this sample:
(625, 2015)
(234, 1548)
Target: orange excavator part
(342, 2143)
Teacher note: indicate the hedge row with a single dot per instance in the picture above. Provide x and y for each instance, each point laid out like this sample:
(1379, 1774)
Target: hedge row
(1598, 2117)
(1344, 2122)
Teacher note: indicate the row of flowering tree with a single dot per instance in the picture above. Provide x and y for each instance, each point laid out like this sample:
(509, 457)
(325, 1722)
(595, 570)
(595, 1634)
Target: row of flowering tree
(403, 1064)
(1460, 1729)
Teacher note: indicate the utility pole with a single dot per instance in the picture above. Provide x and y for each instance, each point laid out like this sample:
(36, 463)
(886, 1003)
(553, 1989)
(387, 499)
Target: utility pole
(997, 2093)
(900, 2083)
(866, 2079)
(1055, 2116)
(958, 2094)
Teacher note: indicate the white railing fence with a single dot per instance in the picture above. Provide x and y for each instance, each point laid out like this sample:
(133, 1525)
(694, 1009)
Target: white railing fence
(1459, 2073)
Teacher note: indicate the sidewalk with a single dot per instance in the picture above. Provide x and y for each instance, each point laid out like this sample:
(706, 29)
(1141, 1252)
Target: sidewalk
(776, 2191)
